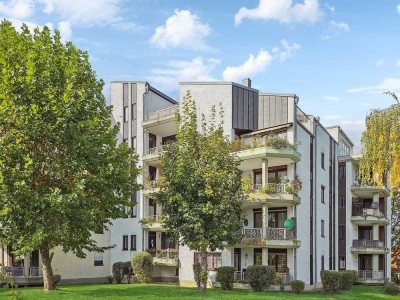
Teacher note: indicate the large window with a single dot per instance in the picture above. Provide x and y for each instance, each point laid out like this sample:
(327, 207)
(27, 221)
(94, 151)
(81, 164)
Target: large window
(276, 217)
(125, 242)
(277, 174)
(214, 260)
(98, 259)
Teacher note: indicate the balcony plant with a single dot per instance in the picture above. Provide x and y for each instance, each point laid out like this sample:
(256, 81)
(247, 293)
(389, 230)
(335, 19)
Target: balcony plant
(270, 189)
(294, 186)
(246, 182)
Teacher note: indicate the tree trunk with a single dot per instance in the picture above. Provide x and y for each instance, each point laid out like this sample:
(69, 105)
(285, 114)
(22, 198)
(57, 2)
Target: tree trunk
(204, 272)
(48, 278)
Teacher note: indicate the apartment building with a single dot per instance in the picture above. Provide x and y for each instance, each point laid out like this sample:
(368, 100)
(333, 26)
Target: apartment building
(306, 210)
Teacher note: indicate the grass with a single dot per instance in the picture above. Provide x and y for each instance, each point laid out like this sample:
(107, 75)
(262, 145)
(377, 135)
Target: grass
(164, 292)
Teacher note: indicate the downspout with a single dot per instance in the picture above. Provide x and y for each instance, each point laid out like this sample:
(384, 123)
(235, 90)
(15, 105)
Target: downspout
(315, 203)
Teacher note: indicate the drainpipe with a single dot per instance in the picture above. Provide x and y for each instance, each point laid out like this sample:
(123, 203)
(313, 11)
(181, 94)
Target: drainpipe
(315, 203)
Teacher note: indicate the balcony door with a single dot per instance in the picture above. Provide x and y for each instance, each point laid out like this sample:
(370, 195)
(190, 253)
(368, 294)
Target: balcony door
(35, 259)
(152, 141)
(152, 210)
(257, 175)
(257, 217)
(152, 240)
(365, 262)
(258, 256)
(277, 217)
(277, 258)
(365, 232)
(237, 259)
(277, 174)
(166, 241)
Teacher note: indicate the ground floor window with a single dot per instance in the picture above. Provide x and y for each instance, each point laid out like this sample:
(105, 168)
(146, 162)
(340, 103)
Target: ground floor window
(277, 258)
(214, 260)
(342, 262)
(98, 259)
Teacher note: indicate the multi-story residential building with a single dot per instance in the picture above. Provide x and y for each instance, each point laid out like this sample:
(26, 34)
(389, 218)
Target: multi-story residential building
(304, 213)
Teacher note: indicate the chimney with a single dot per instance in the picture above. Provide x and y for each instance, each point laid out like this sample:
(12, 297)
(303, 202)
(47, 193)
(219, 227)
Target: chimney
(246, 82)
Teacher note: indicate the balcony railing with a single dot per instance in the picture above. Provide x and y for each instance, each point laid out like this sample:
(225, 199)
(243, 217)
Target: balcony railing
(279, 234)
(162, 113)
(151, 184)
(156, 150)
(368, 243)
(15, 271)
(253, 233)
(168, 253)
(369, 274)
(359, 211)
(34, 272)
(270, 188)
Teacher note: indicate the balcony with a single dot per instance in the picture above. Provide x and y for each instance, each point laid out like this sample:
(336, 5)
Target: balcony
(274, 194)
(270, 237)
(162, 122)
(372, 277)
(151, 186)
(21, 278)
(166, 258)
(153, 223)
(368, 216)
(276, 148)
(152, 156)
(367, 191)
(369, 247)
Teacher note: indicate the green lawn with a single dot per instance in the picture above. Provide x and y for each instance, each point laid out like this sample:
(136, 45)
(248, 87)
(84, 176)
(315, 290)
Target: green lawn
(163, 291)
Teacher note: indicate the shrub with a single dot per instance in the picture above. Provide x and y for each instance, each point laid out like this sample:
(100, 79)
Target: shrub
(120, 270)
(225, 276)
(110, 279)
(392, 289)
(347, 280)
(197, 273)
(142, 266)
(279, 280)
(260, 277)
(331, 281)
(297, 286)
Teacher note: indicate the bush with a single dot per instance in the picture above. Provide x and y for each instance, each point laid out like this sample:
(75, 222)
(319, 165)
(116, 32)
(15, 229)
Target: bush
(142, 266)
(120, 270)
(110, 279)
(260, 277)
(279, 281)
(297, 286)
(347, 280)
(392, 289)
(331, 281)
(197, 273)
(225, 276)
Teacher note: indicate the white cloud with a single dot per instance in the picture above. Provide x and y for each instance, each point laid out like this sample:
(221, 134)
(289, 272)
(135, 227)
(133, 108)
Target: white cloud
(257, 64)
(388, 84)
(252, 66)
(127, 26)
(183, 29)
(17, 9)
(331, 98)
(331, 8)
(398, 63)
(353, 130)
(198, 69)
(334, 29)
(284, 11)
(398, 9)
(65, 30)
(379, 62)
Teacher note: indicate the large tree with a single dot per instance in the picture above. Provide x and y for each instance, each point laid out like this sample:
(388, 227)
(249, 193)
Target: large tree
(62, 174)
(201, 191)
(381, 155)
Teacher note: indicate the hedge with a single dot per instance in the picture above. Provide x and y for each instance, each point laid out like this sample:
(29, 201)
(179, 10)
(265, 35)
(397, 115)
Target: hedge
(142, 265)
(392, 289)
(331, 281)
(348, 278)
(120, 270)
(260, 277)
(225, 276)
(297, 286)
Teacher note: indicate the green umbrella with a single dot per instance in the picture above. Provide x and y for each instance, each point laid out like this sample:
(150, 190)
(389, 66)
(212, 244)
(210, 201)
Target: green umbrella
(289, 224)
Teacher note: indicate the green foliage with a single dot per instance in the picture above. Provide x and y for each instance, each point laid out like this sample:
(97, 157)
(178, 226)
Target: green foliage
(260, 277)
(348, 278)
(297, 286)
(278, 142)
(121, 270)
(270, 189)
(142, 266)
(225, 275)
(331, 281)
(392, 289)
(62, 174)
(110, 279)
(197, 273)
(279, 281)
(202, 194)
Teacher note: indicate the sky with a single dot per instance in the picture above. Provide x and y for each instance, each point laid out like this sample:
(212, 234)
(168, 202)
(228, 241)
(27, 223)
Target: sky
(337, 56)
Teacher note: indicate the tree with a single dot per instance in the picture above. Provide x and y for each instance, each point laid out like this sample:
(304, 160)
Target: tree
(62, 175)
(381, 155)
(201, 193)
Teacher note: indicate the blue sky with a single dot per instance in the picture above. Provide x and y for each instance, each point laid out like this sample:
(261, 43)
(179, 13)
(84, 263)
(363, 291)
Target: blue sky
(337, 56)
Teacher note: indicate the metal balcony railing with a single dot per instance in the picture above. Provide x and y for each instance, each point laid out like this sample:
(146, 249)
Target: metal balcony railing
(34, 271)
(253, 233)
(167, 253)
(279, 234)
(156, 150)
(369, 274)
(368, 243)
(359, 211)
(15, 271)
(162, 113)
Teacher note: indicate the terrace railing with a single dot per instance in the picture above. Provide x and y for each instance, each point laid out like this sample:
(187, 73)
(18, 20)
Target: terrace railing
(279, 234)
(162, 113)
(368, 243)
(369, 274)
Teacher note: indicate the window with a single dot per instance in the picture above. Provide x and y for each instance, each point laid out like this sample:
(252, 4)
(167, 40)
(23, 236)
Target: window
(322, 193)
(342, 262)
(322, 228)
(342, 172)
(342, 232)
(322, 262)
(125, 113)
(342, 202)
(323, 160)
(125, 242)
(133, 111)
(134, 208)
(98, 259)
(214, 260)
(133, 242)
(133, 144)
